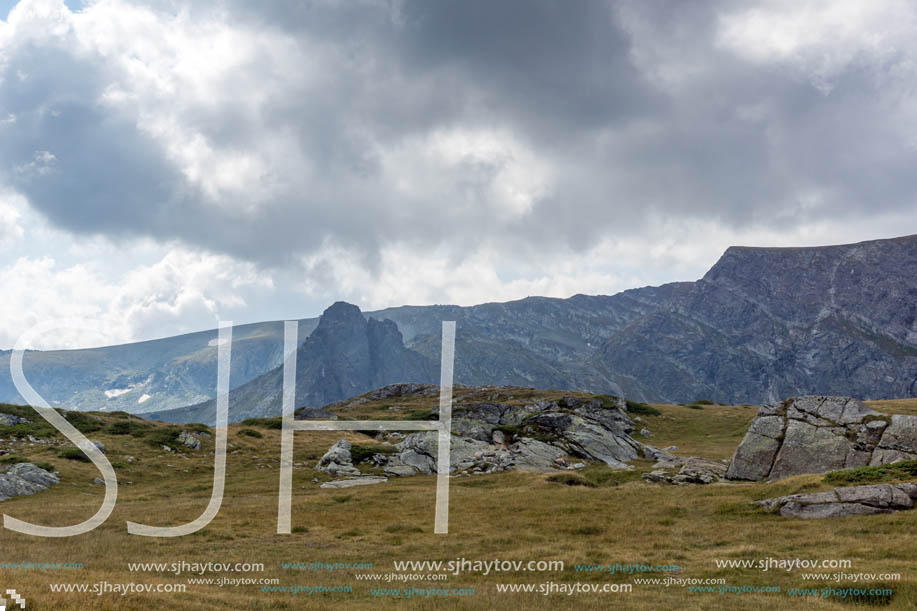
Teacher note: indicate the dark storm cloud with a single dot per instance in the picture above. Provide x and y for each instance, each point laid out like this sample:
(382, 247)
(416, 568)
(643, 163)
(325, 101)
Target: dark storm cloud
(577, 83)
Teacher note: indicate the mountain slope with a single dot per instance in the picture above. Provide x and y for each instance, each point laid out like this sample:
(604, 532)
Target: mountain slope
(767, 323)
(346, 355)
(145, 376)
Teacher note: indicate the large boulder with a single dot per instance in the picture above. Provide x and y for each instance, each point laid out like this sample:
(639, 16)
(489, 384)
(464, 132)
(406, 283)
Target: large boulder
(337, 460)
(25, 478)
(841, 502)
(817, 434)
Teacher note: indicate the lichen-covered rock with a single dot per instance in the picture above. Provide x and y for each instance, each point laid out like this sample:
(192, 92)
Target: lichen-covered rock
(817, 434)
(189, 441)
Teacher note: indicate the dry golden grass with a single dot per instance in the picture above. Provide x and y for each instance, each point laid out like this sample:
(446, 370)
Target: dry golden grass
(510, 516)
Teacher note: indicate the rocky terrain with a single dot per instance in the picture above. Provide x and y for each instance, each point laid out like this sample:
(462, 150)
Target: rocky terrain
(490, 436)
(761, 325)
(816, 434)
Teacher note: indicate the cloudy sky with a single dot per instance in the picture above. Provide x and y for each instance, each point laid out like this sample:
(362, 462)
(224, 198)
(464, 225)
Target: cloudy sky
(164, 165)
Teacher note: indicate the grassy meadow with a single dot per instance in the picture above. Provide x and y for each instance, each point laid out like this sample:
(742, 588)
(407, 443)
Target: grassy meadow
(614, 518)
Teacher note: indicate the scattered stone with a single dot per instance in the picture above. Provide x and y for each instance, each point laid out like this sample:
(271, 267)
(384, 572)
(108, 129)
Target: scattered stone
(841, 502)
(100, 446)
(670, 449)
(98, 480)
(690, 471)
(350, 483)
(645, 432)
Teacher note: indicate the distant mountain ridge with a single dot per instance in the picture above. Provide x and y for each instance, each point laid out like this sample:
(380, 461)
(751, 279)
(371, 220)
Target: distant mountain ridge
(761, 325)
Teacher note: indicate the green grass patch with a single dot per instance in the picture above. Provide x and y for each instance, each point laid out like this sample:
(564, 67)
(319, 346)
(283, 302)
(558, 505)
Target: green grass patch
(265, 423)
(250, 433)
(642, 409)
(359, 453)
(570, 479)
(906, 469)
(73, 454)
(127, 427)
(197, 427)
(587, 531)
(84, 423)
(861, 594)
(164, 436)
(602, 475)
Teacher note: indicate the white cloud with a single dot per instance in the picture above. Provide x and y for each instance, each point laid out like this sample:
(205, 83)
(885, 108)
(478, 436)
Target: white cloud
(184, 291)
(822, 37)
(11, 231)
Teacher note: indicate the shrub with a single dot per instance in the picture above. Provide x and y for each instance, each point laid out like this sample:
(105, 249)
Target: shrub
(46, 466)
(703, 402)
(643, 409)
(12, 460)
(570, 479)
(694, 406)
(359, 453)
(197, 427)
(119, 464)
(84, 423)
(906, 469)
(265, 423)
(167, 435)
(127, 427)
(587, 531)
(73, 453)
(250, 433)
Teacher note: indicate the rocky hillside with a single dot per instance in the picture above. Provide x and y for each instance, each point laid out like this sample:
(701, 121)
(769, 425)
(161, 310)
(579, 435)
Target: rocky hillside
(346, 355)
(768, 323)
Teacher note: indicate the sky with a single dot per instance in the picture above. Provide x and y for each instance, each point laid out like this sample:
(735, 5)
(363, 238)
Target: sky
(167, 165)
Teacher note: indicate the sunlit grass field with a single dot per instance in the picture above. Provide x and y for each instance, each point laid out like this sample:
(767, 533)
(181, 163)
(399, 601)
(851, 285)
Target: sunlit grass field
(507, 516)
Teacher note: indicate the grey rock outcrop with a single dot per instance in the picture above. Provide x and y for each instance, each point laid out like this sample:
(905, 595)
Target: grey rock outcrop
(817, 434)
(25, 478)
(337, 460)
(492, 437)
(189, 441)
(12, 420)
(841, 502)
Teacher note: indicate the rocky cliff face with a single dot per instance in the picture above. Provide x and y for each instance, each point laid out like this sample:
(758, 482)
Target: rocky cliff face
(814, 434)
(768, 323)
